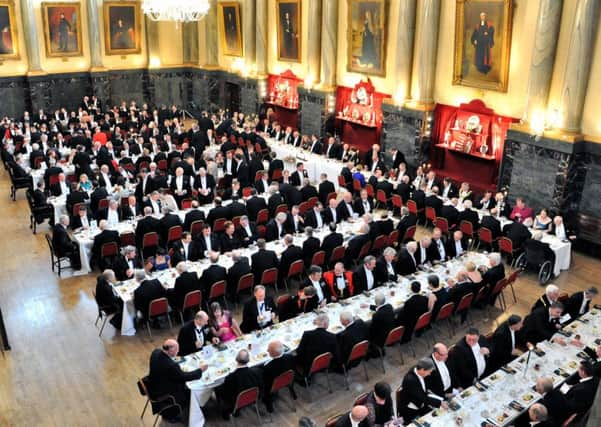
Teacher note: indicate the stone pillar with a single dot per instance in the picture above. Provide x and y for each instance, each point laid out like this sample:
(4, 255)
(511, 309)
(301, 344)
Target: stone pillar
(426, 43)
(212, 48)
(152, 41)
(314, 39)
(94, 34)
(31, 35)
(249, 31)
(541, 67)
(404, 49)
(190, 42)
(329, 42)
(261, 37)
(579, 57)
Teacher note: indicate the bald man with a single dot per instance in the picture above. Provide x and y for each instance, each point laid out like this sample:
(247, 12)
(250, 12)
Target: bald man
(280, 363)
(167, 377)
(195, 334)
(356, 417)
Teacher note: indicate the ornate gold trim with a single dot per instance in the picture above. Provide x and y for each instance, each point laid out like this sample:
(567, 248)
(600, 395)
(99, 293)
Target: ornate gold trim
(47, 39)
(106, 8)
(224, 47)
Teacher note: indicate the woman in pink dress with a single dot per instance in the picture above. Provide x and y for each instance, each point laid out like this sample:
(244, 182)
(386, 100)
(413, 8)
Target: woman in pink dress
(222, 324)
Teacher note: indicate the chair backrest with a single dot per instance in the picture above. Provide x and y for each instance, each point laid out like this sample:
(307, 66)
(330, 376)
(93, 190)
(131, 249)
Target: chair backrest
(281, 208)
(312, 201)
(285, 379)
(321, 362)
(261, 231)
(333, 420)
(393, 237)
(467, 228)
(412, 207)
(380, 242)
(319, 258)
(217, 289)
(50, 246)
(150, 239)
(127, 239)
(258, 174)
(359, 351)
(361, 399)
(430, 213)
(246, 191)
(196, 227)
(445, 311)
(175, 233)
(485, 235)
(142, 388)
(465, 302)
(381, 196)
(158, 307)
(192, 299)
(109, 249)
(505, 245)
(262, 216)
(499, 286)
(296, 268)
(397, 201)
(269, 276)
(337, 254)
(410, 232)
(423, 321)
(442, 223)
(103, 203)
(246, 398)
(281, 302)
(162, 165)
(513, 276)
(186, 203)
(364, 250)
(332, 195)
(370, 190)
(75, 209)
(303, 208)
(341, 181)
(219, 225)
(236, 221)
(277, 175)
(53, 179)
(356, 184)
(481, 295)
(395, 335)
(246, 282)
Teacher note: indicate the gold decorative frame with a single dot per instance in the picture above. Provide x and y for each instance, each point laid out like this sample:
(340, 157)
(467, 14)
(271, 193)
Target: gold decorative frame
(12, 29)
(47, 9)
(465, 73)
(355, 30)
(239, 51)
(108, 7)
(297, 25)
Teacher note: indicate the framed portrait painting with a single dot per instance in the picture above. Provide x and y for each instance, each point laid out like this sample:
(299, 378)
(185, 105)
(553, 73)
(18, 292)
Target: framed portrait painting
(62, 29)
(122, 27)
(366, 38)
(289, 30)
(482, 43)
(231, 28)
(8, 31)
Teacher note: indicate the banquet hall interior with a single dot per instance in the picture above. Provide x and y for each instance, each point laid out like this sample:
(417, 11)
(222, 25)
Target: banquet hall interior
(300, 213)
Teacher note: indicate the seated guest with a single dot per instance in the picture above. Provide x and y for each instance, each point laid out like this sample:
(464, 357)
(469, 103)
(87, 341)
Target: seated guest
(469, 358)
(280, 362)
(492, 223)
(579, 303)
(580, 396)
(294, 222)
(147, 291)
(311, 245)
(168, 221)
(213, 274)
(207, 242)
(414, 307)
(449, 190)
(356, 417)
(486, 203)
(111, 214)
(542, 221)
(192, 216)
(308, 191)
(291, 254)
(195, 334)
(314, 217)
(442, 381)
(184, 249)
(131, 209)
(148, 224)
(363, 204)
(505, 342)
(186, 281)
(63, 245)
(161, 261)
(538, 251)
(315, 342)
(167, 378)
(538, 415)
(542, 324)
(41, 208)
(494, 272)
(275, 228)
(550, 296)
(518, 233)
(354, 332)
(379, 404)
(246, 232)
(305, 301)
(344, 209)
(82, 220)
(262, 260)
(434, 201)
(456, 246)
(259, 312)
(553, 399)
(520, 211)
(407, 263)
(440, 294)
(474, 276)
(61, 187)
(330, 214)
(229, 241)
(76, 196)
(340, 282)
(239, 268)
(222, 324)
(320, 287)
(105, 237)
(125, 264)
(364, 276)
(560, 230)
(437, 249)
(469, 215)
(459, 288)
(464, 192)
(421, 254)
(107, 298)
(239, 380)
(382, 322)
(414, 400)
(355, 244)
(407, 220)
(385, 267)
(331, 241)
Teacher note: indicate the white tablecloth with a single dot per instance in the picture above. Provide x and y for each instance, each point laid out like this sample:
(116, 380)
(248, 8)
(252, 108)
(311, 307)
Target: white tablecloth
(38, 174)
(85, 240)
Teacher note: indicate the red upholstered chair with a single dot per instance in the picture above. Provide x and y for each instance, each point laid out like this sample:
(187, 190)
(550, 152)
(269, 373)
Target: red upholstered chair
(186, 203)
(165, 402)
(157, 308)
(217, 291)
(379, 244)
(393, 238)
(445, 313)
(356, 185)
(361, 399)
(295, 270)
(246, 398)
(422, 322)
(443, 224)
(303, 208)
(193, 299)
(410, 233)
(467, 228)
(506, 247)
(484, 236)
(464, 304)
(331, 196)
(358, 353)
(281, 208)
(109, 250)
(127, 239)
(219, 225)
(412, 207)
(333, 420)
(196, 227)
(341, 181)
(270, 277)
(281, 304)
(262, 217)
(150, 243)
(277, 175)
(394, 337)
(245, 282)
(381, 199)
(312, 201)
(319, 258)
(174, 234)
(337, 255)
(430, 214)
(320, 363)
(511, 280)
(285, 379)
(370, 190)
(397, 201)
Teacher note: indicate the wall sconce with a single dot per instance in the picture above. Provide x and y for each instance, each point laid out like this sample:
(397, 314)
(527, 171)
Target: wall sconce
(309, 80)
(155, 62)
(331, 105)
(399, 96)
(262, 88)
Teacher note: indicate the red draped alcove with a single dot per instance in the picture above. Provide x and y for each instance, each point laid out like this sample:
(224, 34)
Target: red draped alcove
(467, 143)
(359, 114)
(282, 97)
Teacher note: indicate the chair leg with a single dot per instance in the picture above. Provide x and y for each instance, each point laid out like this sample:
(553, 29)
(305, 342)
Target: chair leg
(328, 380)
(308, 389)
(144, 410)
(97, 319)
(381, 351)
(148, 328)
(401, 353)
(365, 370)
(513, 293)
(258, 413)
(155, 420)
(345, 372)
(181, 316)
(103, 325)
(412, 347)
(169, 321)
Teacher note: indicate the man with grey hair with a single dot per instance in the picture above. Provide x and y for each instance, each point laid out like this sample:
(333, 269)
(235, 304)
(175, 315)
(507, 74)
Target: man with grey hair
(239, 380)
(126, 263)
(105, 237)
(311, 246)
(259, 312)
(279, 363)
(407, 262)
(315, 342)
(275, 228)
(63, 245)
(211, 275)
(355, 244)
(364, 278)
(240, 268)
(167, 222)
(147, 290)
(579, 303)
(187, 281)
(553, 399)
(291, 254)
(492, 274)
(469, 215)
(550, 296)
(107, 298)
(538, 415)
(415, 400)
(354, 332)
(382, 322)
(385, 268)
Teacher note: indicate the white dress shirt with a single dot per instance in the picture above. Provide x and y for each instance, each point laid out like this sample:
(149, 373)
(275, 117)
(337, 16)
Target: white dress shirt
(480, 361)
(64, 187)
(583, 305)
(422, 252)
(441, 249)
(112, 217)
(84, 221)
(318, 291)
(458, 247)
(155, 207)
(318, 219)
(444, 374)
(107, 181)
(560, 231)
(208, 243)
(412, 405)
(261, 309)
(366, 206)
(370, 278)
(512, 334)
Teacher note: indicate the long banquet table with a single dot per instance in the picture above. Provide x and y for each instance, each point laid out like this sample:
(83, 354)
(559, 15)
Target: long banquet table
(289, 332)
(504, 395)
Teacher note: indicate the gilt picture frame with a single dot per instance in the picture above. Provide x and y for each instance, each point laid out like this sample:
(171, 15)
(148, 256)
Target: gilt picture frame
(289, 30)
(9, 42)
(231, 29)
(122, 27)
(366, 36)
(62, 29)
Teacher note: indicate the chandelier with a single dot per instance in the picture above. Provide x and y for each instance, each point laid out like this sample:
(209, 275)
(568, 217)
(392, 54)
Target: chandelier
(176, 10)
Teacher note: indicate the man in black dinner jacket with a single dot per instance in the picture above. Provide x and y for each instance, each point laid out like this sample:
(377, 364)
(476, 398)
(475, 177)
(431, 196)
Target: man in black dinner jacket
(581, 395)
(414, 307)
(206, 241)
(278, 364)
(195, 334)
(254, 204)
(315, 342)
(148, 290)
(505, 340)
(184, 249)
(214, 273)
(258, 312)
(147, 224)
(579, 302)
(354, 332)
(382, 321)
(543, 323)
(246, 232)
(442, 380)
(308, 190)
(105, 236)
(325, 187)
(218, 212)
(262, 260)
(107, 299)
(167, 378)
(62, 243)
(235, 272)
(187, 281)
(414, 399)
(469, 358)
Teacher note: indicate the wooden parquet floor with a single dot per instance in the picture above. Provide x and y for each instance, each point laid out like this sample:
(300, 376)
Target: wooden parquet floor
(59, 373)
